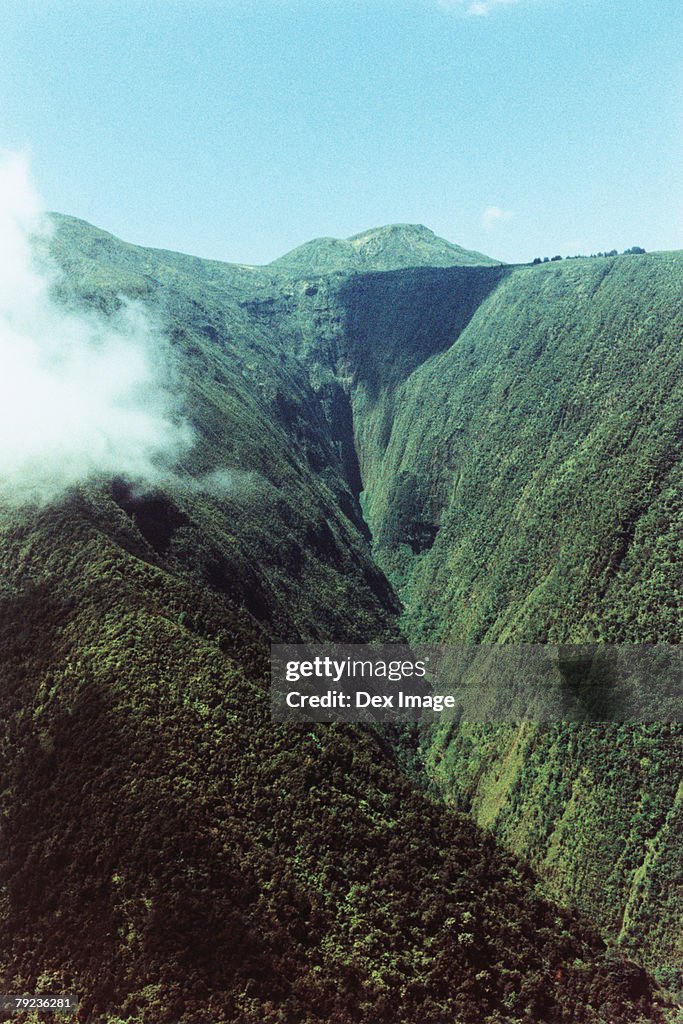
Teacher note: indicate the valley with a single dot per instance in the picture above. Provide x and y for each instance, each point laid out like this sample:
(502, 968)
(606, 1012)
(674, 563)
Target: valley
(394, 439)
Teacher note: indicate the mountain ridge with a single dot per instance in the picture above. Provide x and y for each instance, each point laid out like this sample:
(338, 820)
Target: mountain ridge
(388, 247)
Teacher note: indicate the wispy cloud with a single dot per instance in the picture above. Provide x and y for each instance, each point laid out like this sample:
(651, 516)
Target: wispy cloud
(81, 394)
(475, 8)
(494, 215)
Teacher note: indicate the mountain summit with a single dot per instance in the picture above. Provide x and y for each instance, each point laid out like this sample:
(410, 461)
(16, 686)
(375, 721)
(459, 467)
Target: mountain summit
(393, 247)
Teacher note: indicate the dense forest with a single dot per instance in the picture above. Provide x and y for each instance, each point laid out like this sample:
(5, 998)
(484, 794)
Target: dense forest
(393, 438)
(518, 435)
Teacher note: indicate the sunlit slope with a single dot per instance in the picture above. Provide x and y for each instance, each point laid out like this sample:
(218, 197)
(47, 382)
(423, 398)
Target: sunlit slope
(542, 449)
(521, 459)
(393, 247)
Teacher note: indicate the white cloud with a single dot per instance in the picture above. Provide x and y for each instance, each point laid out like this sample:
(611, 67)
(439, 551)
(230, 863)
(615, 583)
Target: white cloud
(475, 8)
(494, 215)
(81, 395)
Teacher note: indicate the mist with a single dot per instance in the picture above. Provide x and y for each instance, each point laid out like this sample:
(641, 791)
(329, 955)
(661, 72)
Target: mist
(82, 395)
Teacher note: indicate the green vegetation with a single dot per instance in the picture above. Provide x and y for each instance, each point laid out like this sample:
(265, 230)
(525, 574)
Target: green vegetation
(174, 857)
(395, 247)
(519, 434)
(633, 251)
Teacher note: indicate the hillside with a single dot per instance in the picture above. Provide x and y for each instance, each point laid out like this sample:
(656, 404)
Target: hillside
(394, 247)
(171, 854)
(518, 434)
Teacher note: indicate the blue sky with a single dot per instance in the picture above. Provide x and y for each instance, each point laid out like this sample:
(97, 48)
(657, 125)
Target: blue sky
(237, 129)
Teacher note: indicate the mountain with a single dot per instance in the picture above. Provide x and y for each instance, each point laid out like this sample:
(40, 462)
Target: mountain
(170, 853)
(393, 247)
(518, 435)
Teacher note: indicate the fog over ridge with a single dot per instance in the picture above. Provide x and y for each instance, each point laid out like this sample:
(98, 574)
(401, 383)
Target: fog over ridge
(81, 394)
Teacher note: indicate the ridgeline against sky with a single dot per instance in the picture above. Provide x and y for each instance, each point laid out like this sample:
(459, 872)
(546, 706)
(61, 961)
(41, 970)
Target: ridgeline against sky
(238, 130)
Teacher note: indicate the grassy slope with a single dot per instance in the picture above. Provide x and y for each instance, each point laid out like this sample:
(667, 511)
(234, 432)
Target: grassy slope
(519, 433)
(557, 417)
(168, 852)
(394, 247)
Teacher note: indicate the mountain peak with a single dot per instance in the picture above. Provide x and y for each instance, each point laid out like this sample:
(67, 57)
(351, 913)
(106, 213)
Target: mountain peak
(389, 247)
(394, 231)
